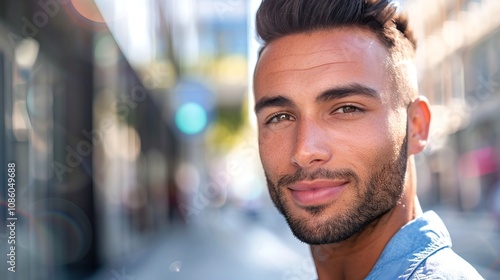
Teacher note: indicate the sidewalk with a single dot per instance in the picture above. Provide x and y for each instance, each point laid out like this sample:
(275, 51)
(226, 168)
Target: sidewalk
(235, 245)
(231, 246)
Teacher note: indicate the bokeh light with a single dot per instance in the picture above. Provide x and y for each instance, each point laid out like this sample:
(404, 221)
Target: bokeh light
(27, 52)
(106, 52)
(88, 9)
(191, 118)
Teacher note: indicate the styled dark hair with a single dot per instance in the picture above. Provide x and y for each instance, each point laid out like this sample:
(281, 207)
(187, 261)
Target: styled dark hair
(278, 18)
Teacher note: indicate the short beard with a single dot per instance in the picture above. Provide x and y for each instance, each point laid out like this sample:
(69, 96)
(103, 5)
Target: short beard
(375, 197)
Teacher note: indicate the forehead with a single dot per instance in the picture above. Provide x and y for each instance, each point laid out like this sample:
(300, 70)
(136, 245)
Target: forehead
(348, 55)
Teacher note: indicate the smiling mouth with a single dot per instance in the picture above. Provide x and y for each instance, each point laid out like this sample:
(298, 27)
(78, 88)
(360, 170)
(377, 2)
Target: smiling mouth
(316, 193)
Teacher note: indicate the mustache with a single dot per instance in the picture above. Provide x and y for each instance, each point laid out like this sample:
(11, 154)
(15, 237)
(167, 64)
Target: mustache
(321, 173)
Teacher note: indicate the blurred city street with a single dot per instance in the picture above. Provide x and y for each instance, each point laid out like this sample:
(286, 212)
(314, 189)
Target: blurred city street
(229, 245)
(238, 246)
(130, 140)
(475, 237)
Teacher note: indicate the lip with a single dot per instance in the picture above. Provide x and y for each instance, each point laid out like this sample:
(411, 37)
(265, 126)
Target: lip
(319, 192)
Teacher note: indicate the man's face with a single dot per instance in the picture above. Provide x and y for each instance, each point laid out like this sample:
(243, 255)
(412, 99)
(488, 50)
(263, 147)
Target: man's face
(332, 132)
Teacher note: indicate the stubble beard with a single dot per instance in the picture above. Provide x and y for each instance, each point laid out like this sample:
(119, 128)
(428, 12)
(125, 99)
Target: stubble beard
(374, 197)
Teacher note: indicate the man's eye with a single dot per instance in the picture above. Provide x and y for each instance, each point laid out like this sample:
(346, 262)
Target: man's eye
(280, 118)
(347, 109)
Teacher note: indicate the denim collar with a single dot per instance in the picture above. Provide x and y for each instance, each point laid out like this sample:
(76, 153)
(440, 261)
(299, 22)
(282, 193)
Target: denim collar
(411, 245)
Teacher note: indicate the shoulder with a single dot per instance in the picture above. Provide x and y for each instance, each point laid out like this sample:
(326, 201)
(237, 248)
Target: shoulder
(445, 264)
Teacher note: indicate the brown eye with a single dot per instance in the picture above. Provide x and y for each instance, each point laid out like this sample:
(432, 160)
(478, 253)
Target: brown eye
(347, 109)
(281, 117)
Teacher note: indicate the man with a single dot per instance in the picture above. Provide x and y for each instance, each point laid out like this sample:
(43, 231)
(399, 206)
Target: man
(340, 121)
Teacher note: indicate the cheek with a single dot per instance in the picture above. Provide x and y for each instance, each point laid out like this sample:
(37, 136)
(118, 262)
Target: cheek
(375, 143)
(274, 151)
(396, 131)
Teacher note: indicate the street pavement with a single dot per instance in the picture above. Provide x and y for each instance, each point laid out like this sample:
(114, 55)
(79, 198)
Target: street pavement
(221, 245)
(233, 244)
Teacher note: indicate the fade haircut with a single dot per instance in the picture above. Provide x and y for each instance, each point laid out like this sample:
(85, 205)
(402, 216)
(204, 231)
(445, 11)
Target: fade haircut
(279, 18)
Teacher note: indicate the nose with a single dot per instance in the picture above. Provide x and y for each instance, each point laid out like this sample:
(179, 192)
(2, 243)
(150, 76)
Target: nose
(312, 147)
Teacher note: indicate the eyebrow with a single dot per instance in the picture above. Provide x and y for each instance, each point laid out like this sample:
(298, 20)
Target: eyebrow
(275, 101)
(345, 91)
(327, 95)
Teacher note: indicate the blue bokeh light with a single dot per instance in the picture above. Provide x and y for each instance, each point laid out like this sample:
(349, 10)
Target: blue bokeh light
(191, 118)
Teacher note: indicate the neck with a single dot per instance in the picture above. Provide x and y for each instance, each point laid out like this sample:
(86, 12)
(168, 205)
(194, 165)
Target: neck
(355, 257)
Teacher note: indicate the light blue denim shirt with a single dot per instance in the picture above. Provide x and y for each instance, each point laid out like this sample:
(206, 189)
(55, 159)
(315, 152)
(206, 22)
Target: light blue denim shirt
(422, 250)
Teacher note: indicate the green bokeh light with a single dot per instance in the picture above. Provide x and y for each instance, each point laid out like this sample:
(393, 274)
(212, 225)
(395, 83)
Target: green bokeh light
(191, 118)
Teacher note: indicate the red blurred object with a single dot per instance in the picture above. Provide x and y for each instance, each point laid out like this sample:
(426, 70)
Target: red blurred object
(478, 162)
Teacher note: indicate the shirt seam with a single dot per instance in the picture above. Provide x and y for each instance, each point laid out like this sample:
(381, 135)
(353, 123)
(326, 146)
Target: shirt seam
(413, 268)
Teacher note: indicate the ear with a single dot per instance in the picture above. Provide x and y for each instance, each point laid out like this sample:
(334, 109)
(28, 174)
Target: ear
(419, 119)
